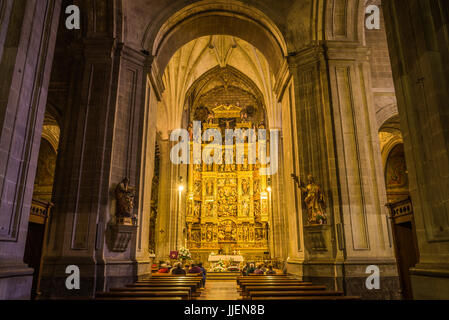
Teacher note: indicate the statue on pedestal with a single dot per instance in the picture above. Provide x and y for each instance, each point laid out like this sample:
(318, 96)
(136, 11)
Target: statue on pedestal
(315, 203)
(125, 195)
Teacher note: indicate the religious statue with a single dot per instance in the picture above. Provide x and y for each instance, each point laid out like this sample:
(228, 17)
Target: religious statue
(315, 203)
(245, 187)
(197, 209)
(209, 188)
(190, 130)
(210, 209)
(244, 116)
(245, 208)
(210, 117)
(125, 195)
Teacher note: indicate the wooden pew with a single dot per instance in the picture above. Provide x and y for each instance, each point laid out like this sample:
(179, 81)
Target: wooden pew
(308, 298)
(248, 289)
(196, 284)
(156, 275)
(262, 278)
(161, 289)
(132, 295)
(267, 279)
(306, 293)
(193, 286)
(146, 298)
(278, 284)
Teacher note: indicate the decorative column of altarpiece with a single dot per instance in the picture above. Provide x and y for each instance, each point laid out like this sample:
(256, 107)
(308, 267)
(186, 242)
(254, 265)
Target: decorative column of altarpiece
(227, 204)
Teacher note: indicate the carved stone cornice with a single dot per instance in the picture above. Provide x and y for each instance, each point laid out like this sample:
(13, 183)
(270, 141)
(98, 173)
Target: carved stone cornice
(309, 55)
(282, 80)
(343, 50)
(155, 78)
(329, 50)
(130, 54)
(99, 49)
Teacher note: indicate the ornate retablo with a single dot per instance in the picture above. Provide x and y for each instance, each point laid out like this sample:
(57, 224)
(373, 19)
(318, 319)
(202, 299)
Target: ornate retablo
(227, 204)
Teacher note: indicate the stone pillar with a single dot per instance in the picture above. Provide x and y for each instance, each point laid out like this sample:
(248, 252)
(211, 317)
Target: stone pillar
(100, 145)
(360, 170)
(27, 40)
(338, 145)
(167, 203)
(418, 45)
(291, 211)
(278, 225)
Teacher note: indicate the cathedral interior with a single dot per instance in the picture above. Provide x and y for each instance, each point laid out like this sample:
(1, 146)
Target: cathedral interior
(351, 156)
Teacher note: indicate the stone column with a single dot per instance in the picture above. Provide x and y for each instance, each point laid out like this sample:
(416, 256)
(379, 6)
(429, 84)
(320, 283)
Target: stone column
(27, 40)
(338, 145)
(132, 147)
(417, 38)
(291, 212)
(167, 203)
(100, 145)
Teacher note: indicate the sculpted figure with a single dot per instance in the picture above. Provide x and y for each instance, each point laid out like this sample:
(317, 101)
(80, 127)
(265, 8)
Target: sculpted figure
(125, 195)
(315, 203)
(210, 117)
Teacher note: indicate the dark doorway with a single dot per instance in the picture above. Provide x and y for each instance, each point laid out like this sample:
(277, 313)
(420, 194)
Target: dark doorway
(406, 252)
(41, 205)
(33, 249)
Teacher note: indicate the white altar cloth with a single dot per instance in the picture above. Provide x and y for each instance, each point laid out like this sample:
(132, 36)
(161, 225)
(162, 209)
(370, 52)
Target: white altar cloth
(216, 258)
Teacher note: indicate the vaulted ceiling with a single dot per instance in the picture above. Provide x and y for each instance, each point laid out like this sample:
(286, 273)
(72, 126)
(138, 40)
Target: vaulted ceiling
(200, 56)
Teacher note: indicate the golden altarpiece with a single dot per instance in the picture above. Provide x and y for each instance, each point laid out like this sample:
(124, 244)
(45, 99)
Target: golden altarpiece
(228, 204)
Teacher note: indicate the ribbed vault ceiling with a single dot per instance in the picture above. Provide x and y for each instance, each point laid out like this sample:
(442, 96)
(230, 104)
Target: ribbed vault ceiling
(196, 58)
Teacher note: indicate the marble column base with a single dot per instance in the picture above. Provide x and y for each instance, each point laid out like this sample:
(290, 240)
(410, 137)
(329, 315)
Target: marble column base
(430, 282)
(93, 278)
(15, 282)
(350, 278)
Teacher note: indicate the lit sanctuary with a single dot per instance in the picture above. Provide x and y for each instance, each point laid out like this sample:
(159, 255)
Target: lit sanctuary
(356, 92)
(227, 203)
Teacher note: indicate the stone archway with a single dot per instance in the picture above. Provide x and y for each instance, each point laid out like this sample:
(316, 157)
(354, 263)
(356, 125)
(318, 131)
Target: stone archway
(316, 54)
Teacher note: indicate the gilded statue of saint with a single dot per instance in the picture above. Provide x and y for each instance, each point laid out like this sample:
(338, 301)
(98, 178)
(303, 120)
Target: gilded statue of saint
(125, 195)
(315, 203)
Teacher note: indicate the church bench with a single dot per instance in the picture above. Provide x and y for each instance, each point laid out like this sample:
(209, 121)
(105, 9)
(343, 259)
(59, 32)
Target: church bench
(192, 290)
(185, 295)
(305, 293)
(148, 289)
(262, 278)
(175, 275)
(193, 287)
(171, 280)
(281, 288)
(168, 278)
(265, 275)
(146, 298)
(196, 284)
(308, 298)
(271, 283)
(243, 287)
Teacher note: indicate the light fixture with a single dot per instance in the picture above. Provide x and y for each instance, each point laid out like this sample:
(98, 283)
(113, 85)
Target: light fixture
(269, 189)
(181, 188)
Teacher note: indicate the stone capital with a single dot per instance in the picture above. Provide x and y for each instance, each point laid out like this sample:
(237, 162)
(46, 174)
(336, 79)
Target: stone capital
(344, 50)
(309, 55)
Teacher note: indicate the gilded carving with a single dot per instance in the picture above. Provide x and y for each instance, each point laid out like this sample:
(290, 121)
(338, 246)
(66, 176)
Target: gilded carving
(228, 207)
(314, 200)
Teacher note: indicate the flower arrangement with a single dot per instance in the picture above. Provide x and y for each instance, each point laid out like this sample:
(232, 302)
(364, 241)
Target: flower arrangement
(220, 267)
(184, 254)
